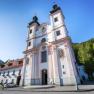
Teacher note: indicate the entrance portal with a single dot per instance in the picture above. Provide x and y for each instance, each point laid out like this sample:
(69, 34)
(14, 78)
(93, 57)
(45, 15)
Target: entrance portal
(18, 80)
(44, 77)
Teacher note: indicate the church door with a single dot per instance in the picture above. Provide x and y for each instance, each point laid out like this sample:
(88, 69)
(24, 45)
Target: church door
(18, 80)
(44, 77)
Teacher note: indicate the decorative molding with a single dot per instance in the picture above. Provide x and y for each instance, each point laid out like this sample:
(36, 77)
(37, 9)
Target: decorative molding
(34, 49)
(45, 33)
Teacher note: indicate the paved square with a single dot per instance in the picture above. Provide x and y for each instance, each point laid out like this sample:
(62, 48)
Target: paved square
(25, 92)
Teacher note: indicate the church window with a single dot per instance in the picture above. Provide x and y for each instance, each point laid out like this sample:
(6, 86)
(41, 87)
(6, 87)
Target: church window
(43, 40)
(64, 72)
(30, 31)
(63, 66)
(55, 19)
(57, 33)
(29, 44)
(43, 29)
(27, 61)
(44, 56)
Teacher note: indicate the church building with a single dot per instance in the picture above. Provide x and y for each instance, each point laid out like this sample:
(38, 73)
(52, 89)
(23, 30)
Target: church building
(49, 58)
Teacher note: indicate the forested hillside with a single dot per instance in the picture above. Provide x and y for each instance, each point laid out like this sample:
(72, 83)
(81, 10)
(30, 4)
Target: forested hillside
(84, 53)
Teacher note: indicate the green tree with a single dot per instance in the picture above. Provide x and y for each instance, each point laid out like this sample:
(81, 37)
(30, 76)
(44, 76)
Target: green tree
(84, 53)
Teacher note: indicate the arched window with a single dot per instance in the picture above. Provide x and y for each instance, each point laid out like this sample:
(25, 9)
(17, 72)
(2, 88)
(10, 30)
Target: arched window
(30, 31)
(44, 56)
(29, 43)
(43, 40)
(27, 60)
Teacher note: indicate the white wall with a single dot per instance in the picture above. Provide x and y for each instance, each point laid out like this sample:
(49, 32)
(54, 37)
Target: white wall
(10, 77)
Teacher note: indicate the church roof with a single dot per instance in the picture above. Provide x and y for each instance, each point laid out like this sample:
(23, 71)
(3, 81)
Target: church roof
(55, 8)
(12, 64)
(34, 20)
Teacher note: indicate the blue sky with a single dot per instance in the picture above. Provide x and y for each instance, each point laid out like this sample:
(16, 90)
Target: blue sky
(16, 14)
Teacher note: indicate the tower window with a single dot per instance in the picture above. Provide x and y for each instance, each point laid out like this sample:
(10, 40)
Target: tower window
(44, 56)
(64, 72)
(55, 19)
(29, 44)
(30, 31)
(63, 66)
(57, 33)
(43, 40)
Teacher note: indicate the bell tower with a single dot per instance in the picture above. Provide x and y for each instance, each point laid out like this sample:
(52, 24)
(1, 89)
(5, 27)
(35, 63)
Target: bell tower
(29, 57)
(33, 26)
(56, 16)
(64, 67)
(57, 23)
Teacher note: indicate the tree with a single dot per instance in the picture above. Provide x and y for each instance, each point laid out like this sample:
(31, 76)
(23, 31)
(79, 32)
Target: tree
(84, 53)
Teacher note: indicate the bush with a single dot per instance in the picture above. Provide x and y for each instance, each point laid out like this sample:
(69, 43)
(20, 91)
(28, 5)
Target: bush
(1, 87)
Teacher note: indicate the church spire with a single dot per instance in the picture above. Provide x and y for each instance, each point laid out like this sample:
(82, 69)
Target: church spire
(55, 8)
(34, 20)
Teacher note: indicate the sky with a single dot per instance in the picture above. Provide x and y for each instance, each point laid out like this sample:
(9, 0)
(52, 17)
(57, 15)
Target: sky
(16, 14)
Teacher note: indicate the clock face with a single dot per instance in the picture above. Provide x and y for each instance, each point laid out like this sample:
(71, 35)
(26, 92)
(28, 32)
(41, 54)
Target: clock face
(43, 29)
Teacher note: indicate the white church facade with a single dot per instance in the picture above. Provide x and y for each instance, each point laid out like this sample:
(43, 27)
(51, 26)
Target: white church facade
(49, 57)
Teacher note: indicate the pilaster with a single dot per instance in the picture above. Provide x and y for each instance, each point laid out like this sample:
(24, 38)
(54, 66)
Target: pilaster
(32, 69)
(23, 72)
(55, 64)
(72, 77)
(50, 66)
